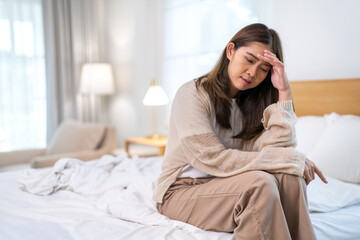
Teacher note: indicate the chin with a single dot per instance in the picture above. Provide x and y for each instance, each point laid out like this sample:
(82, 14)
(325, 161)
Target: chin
(242, 87)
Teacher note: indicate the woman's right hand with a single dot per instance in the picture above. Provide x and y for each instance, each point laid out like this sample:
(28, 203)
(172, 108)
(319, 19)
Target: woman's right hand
(278, 75)
(310, 170)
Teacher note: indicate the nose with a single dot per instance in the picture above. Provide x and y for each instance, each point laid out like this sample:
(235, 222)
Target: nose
(252, 71)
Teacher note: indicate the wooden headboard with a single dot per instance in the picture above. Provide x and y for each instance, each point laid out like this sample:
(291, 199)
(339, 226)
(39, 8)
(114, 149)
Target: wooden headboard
(325, 96)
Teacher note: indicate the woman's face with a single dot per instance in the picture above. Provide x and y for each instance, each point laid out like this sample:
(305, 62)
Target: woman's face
(245, 69)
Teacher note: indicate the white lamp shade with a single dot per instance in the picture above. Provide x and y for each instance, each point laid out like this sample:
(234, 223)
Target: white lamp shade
(155, 96)
(96, 78)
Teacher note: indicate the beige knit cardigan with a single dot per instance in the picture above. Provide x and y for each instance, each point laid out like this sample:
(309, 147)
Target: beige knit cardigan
(192, 140)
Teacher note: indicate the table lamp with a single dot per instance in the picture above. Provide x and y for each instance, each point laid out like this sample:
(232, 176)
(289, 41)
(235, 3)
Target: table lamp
(96, 80)
(154, 97)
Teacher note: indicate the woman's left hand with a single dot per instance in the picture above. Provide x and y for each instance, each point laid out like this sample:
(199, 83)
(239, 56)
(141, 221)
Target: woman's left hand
(310, 170)
(278, 75)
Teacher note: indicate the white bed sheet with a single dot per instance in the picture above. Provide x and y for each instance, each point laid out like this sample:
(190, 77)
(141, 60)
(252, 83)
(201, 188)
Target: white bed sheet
(342, 224)
(67, 214)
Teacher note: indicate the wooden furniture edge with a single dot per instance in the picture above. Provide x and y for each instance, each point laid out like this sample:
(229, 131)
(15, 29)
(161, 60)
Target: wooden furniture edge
(321, 97)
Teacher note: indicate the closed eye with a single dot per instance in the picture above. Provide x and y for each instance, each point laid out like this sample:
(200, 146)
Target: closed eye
(249, 60)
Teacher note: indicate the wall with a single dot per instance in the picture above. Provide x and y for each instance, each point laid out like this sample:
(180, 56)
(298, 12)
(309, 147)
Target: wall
(320, 38)
(320, 41)
(131, 43)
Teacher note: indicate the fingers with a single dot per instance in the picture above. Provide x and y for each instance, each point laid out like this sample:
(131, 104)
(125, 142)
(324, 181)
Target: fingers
(307, 177)
(270, 58)
(310, 170)
(270, 54)
(320, 174)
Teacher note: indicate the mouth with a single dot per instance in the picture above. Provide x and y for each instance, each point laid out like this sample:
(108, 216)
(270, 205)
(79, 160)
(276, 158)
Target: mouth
(245, 80)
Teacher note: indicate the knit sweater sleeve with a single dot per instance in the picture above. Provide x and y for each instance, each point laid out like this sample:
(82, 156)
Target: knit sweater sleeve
(279, 128)
(204, 151)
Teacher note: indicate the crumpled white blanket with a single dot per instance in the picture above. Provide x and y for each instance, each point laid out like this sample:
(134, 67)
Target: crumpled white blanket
(78, 176)
(124, 187)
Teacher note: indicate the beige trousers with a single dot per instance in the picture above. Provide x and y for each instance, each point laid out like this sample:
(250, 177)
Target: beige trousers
(254, 205)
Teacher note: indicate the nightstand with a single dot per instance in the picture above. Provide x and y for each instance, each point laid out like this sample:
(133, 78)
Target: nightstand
(159, 142)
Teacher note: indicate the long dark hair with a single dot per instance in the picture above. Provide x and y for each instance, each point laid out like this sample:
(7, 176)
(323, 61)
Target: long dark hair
(252, 102)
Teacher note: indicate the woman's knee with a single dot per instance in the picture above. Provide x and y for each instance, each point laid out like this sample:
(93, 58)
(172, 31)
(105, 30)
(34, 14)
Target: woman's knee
(291, 184)
(263, 185)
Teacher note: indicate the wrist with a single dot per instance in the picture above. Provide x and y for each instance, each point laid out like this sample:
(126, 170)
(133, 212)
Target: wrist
(285, 95)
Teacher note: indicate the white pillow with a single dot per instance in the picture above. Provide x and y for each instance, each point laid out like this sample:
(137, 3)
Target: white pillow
(73, 136)
(308, 131)
(337, 153)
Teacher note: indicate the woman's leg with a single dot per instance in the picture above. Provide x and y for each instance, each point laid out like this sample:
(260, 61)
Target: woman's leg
(293, 196)
(248, 204)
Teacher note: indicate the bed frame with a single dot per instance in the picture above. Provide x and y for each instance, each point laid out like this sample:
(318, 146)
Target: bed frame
(325, 96)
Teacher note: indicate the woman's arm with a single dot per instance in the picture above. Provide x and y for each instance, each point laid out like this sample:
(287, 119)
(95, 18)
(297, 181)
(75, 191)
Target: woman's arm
(280, 133)
(203, 149)
(279, 128)
(281, 82)
(278, 75)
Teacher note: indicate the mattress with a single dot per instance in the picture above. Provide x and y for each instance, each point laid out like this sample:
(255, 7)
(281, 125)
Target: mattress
(110, 198)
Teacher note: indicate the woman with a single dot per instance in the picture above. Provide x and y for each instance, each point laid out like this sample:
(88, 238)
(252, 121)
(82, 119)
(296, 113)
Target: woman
(230, 163)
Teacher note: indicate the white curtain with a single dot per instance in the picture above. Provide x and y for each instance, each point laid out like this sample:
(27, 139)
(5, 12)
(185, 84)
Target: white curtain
(71, 39)
(22, 75)
(61, 86)
(43, 44)
(195, 33)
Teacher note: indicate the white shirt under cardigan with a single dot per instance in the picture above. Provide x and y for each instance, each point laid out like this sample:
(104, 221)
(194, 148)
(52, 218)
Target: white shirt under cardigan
(225, 136)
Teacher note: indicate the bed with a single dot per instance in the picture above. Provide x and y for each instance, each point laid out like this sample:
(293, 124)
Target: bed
(110, 198)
